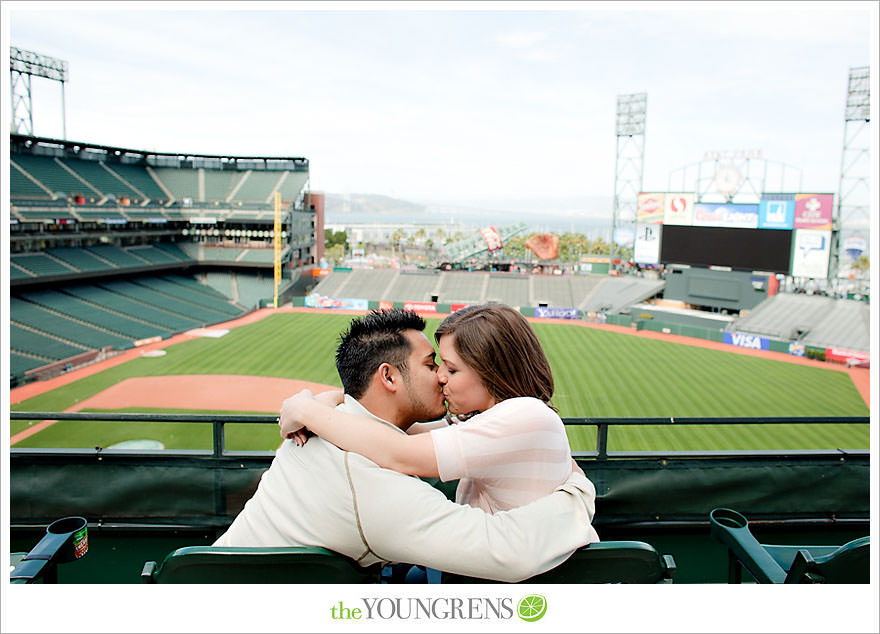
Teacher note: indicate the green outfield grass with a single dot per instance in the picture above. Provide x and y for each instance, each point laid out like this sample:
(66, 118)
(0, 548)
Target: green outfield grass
(597, 373)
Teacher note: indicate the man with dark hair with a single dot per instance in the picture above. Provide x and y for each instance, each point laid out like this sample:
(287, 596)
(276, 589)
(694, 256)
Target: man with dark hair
(319, 495)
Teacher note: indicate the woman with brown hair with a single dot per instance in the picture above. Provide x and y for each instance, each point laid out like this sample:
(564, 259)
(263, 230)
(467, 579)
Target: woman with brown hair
(502, 438)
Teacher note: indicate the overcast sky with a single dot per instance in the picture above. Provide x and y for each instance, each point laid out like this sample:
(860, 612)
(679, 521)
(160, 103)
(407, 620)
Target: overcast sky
(455, 104)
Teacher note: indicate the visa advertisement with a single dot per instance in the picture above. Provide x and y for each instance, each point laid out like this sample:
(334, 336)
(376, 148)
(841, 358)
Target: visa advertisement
(745, 340)
(651, 208)
(776, 214)
(813, 211)
(726, 215)
(810, 253)
(678, 209)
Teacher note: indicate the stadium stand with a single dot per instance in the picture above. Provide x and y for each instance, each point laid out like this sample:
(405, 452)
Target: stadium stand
(615, 294)
(195, 296)
(41, 344)
(117, 256)
(54, 177)
(847, 325)
(20, 186)
(370, 284)
(127, 306)
(463, 287)
(334, 285)
(153, 254)
(66, 329)
(258, 186)
(220, 282)
(99, 316)
(16, 272)
(172, 249)
(250, 288)
(160, 299)
(41, 264)
(182, 183)
(20, 363)
(412, 286)
(80, 259)
(512, 290)
(140, 180)
(257, 256)
(785, 316)
(220, 185)
(552, 290)
(102, 180)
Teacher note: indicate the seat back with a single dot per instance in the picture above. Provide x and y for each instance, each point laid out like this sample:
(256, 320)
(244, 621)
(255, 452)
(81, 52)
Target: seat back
(293, 564)
(848, 564)
(602, 562)
(771, 563)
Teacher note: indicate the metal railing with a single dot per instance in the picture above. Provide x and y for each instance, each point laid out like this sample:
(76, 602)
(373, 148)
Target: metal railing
(601, 453)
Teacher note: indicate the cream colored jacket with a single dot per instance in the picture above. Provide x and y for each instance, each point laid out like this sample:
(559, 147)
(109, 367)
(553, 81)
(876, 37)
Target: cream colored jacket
(319, 495)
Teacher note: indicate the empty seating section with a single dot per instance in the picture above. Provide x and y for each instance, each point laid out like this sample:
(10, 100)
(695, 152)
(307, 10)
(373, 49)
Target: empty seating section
(412, 286)
(128, 306)
(28, 314)
(220, 282)
(41, 264)
(219, 184)
(192, 296)
(173, 250)
(259, 256)
(79, 258)
(182, 183)
(148, 295)
(583, 286)
(463, 287)
(16, 272)
(333, 285)
(152, 254)
(37, 344)
(199, 287)
(292, 186)
(513, 291)
(258, 186)
(126, 326)
(847, 325)
(785, 316)
(20, 186)
(52, 175)
(369, 284)
(19, 364)
(615, 294)
(252, 287)
(221, 254)
(140, 179)
(118, 256)
(553, 290)
(101, 179)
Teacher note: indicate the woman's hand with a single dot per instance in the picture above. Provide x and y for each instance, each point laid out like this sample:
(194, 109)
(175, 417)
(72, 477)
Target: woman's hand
(292, 421)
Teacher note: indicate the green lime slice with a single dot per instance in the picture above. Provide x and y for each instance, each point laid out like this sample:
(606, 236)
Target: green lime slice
(532, 608)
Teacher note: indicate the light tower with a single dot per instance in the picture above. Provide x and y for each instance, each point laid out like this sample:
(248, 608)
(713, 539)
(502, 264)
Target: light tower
(631, 111)
(852, 214)
(22, 66)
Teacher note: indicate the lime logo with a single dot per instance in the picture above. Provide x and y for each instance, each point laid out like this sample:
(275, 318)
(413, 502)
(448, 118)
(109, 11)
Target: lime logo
(532, 608)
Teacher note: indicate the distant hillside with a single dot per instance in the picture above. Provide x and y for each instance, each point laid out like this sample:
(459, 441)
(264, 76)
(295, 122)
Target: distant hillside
(370, 204)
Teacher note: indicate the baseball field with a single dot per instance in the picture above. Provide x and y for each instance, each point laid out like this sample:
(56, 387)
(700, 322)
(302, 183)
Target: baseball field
(598, 372)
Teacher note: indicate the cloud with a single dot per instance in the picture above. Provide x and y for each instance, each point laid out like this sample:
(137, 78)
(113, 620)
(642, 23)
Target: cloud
(521, 39)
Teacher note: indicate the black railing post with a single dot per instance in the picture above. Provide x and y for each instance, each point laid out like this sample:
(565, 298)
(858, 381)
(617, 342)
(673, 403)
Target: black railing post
(602, 441)
(219, 438)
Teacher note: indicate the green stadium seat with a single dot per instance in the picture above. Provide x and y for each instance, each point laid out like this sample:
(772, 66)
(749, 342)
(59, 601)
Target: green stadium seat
(769, 563)
(602, 562)
(292, 564)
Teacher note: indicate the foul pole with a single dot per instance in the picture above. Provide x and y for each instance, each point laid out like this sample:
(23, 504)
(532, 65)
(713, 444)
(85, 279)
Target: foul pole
(277, 236)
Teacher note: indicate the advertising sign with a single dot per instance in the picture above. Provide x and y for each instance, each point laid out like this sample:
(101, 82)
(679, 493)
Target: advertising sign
(420, 307)
(809, 253)
(846, 356)
(556, 313)
(457, 307)
(385, 305)
(727, 215)
(813, 211)
(678, 209)
(744, 340)
(776, 214)
(650, 208)
(344, 303)
(647, 249)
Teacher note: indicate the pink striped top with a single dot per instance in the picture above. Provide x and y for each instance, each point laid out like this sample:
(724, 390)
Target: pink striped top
(507, 456)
